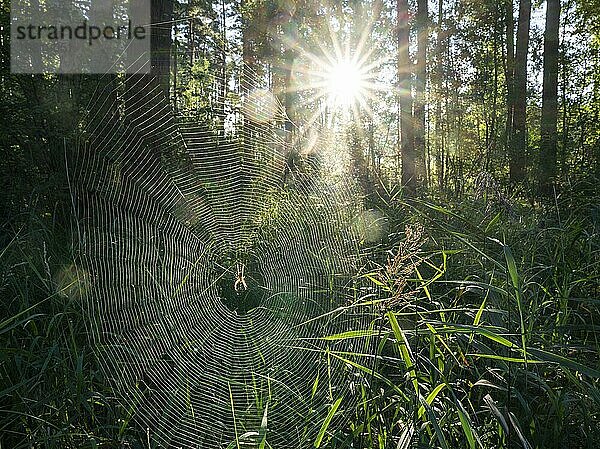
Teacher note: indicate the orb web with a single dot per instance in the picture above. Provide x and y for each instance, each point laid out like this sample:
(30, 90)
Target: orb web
(221, 257)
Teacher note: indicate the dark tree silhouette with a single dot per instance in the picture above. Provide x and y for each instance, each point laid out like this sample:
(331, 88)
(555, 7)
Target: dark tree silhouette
(519, 139)
(405, 94)
(548, 141)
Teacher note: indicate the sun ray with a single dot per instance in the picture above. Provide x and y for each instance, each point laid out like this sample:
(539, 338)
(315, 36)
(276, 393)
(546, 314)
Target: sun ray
(341, 76)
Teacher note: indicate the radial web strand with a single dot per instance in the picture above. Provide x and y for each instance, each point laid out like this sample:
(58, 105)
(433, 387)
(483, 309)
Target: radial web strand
(221, 254)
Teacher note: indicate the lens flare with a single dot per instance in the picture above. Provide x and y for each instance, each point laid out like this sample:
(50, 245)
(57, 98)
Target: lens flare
(345, 83)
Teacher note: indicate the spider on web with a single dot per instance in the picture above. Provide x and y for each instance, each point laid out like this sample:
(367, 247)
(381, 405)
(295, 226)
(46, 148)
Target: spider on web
(240, 281)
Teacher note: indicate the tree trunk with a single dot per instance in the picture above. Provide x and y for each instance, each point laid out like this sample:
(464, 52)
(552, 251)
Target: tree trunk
(223, 93)
(548, 138)
(248, 38)
(565, 103)
(439, 130)
(491, 146)
(422, 20)
(405, 94)
(192, 41)
(160, 41)
(510, 70)
(288, 93)
(492, 136)
(519, 141)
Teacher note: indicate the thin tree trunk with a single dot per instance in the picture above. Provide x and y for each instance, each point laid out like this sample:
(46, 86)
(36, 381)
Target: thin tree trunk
(160, 41)
(565, 104)
(404, 86)
(548, 136)
(223, 94)
(288, 95)
(422, 20)
(519, 141)
(594, 156)
(491, 148)
(510, 70)
(439, 129)
(248, 39)
(192, 41)
(449, 113)
(175, 75)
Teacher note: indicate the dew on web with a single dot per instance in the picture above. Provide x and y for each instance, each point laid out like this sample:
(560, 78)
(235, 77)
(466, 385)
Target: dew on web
(215, 269)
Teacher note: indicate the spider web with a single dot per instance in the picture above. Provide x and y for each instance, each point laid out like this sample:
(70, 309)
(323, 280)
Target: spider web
(221, 253)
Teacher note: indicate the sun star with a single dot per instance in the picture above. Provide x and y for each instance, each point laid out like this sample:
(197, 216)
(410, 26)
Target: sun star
(345, 83)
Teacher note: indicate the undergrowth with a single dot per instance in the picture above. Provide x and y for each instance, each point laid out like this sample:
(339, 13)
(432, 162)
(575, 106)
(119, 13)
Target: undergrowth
(487, 336)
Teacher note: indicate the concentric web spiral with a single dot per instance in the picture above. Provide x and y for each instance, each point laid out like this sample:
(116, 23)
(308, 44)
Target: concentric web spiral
(221, 255)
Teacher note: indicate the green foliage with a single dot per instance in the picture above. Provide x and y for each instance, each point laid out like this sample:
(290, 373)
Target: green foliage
(193, 95)
(52, 392)
(490, 340)
(501, 349)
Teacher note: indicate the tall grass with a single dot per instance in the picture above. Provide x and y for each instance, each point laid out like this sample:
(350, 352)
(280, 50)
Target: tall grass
(52, 393)
(498, 349)
(486, 337)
